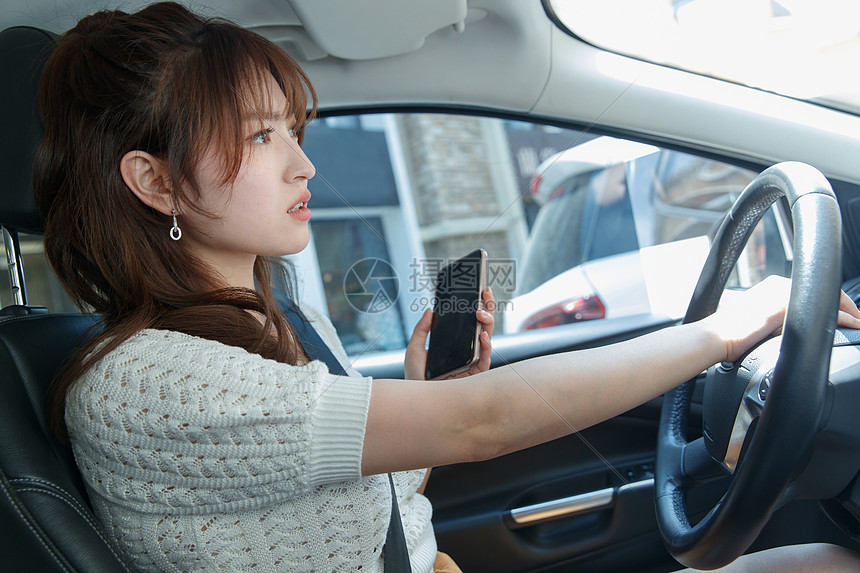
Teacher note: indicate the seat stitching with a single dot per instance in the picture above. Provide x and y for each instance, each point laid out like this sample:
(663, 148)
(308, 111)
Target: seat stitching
(56, 488)
(79, 512)
(30, 526)
(85, 513)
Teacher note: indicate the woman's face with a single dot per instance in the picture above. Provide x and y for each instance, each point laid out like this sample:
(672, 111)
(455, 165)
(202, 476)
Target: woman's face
(263, 212)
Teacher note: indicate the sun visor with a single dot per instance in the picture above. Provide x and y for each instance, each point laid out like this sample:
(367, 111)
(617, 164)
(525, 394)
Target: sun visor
(353, 30)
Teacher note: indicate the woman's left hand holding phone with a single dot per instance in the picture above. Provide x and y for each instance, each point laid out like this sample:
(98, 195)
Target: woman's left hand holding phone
(416, 350)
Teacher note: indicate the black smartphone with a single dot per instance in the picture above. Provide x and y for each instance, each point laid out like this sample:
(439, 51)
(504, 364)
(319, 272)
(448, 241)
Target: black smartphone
(455, 329)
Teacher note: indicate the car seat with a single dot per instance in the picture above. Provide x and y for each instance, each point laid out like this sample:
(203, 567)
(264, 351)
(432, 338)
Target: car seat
(47, 522)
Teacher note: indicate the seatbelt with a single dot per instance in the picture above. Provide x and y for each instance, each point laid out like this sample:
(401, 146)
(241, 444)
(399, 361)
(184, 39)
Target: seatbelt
(313, 344)
(396, 557)
(395, 554)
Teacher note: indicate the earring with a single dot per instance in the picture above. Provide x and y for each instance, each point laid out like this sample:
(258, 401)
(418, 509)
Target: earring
(175, 231)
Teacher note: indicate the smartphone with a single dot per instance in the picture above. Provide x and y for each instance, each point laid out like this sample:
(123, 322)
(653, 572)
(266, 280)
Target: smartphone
(454, 331)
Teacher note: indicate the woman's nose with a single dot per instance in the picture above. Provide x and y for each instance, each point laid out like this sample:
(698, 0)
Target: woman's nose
(300, 166)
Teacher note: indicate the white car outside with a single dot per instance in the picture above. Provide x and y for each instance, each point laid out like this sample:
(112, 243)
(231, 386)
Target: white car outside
(645, 281)
(555, 171)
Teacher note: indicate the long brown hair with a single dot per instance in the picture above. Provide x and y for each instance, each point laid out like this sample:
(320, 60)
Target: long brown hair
(168, 82)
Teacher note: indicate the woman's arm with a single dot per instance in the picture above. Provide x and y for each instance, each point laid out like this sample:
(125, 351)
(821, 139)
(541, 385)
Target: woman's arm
(418, 424)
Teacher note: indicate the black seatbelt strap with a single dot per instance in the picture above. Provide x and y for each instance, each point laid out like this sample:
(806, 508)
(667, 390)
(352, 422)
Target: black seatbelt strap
(395, 554)
(396, 558)
(311, 341)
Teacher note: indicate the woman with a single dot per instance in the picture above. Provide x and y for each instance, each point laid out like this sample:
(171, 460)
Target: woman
(170, 179)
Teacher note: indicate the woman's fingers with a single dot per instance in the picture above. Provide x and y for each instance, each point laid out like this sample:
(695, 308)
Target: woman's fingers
(415, 360)
(849, 316)
(485, 317)
(486, 351)
(422, 330)
(847, 320)
(488, 299)
(487, 322)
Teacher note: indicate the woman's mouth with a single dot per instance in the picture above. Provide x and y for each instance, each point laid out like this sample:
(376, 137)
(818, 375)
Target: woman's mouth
(300, 211)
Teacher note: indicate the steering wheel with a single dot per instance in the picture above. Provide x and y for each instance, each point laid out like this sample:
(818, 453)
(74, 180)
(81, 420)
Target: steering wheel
(784, 405)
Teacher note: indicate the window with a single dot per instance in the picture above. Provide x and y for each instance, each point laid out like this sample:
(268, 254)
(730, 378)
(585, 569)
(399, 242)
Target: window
(360, 286)
(42, 287)
(577, 226)
(801, 48)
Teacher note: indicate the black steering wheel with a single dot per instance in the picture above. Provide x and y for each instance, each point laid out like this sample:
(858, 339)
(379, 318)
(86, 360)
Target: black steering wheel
(784, 404)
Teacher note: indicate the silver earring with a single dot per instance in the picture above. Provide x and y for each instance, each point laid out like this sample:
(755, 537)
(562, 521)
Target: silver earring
(175, 231)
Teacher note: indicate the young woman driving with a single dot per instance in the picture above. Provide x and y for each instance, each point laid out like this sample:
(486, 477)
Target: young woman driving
(171, 179)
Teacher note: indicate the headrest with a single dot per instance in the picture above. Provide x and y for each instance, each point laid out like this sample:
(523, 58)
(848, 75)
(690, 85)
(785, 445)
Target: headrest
(23, 52)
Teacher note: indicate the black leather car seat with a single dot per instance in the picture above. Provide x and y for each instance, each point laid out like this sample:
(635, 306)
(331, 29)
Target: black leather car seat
(47, 523)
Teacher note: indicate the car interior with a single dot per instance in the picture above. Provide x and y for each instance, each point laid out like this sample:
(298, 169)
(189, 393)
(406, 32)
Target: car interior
(606, 498)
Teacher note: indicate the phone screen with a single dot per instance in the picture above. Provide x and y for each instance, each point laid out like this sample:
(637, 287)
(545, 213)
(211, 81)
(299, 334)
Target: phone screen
(455, 328)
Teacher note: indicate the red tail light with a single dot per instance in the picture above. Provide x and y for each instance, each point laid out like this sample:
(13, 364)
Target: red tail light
(575, 310)
(535, 184)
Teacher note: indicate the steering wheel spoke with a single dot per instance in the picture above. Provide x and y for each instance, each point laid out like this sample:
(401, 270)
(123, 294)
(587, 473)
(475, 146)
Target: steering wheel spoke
(749, 410)
(698, 465)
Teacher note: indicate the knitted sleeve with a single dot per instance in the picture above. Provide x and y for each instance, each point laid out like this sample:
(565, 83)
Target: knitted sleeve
(176, 422)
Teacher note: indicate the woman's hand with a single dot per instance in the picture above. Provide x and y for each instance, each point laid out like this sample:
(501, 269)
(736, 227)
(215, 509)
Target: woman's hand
(416, 351)
(485, 317)
(747, 318)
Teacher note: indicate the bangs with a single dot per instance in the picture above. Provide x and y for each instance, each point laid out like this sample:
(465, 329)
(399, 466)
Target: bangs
(222, 83)
(254, 102)
(257, 106)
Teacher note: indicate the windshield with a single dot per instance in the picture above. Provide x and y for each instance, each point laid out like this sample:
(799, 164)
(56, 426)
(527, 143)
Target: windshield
(806, 49)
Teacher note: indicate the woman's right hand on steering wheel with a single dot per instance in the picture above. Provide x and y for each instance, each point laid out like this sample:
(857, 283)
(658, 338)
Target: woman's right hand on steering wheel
(744, 319)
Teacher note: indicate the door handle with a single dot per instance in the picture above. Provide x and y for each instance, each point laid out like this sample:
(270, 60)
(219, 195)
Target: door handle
(569, 506)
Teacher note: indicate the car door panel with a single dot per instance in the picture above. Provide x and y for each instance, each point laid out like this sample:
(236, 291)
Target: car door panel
(473, 502)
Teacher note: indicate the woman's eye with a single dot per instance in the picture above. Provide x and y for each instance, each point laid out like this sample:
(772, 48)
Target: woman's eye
(263, 136)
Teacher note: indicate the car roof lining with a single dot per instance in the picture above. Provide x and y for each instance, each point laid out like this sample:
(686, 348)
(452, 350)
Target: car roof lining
(507, 68)
(356, 57)
(508, 55)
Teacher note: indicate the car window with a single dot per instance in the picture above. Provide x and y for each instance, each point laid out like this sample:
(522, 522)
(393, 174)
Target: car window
(577, 226)
(751, 43)
(41, 286)
(623, 228)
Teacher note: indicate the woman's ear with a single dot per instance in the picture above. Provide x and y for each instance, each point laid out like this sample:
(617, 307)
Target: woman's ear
(146, 176)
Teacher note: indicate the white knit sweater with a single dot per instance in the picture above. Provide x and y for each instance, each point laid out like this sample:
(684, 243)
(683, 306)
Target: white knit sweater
(200, 456)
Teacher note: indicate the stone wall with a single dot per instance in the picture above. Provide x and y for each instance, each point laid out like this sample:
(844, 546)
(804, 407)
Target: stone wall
(449, 168)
